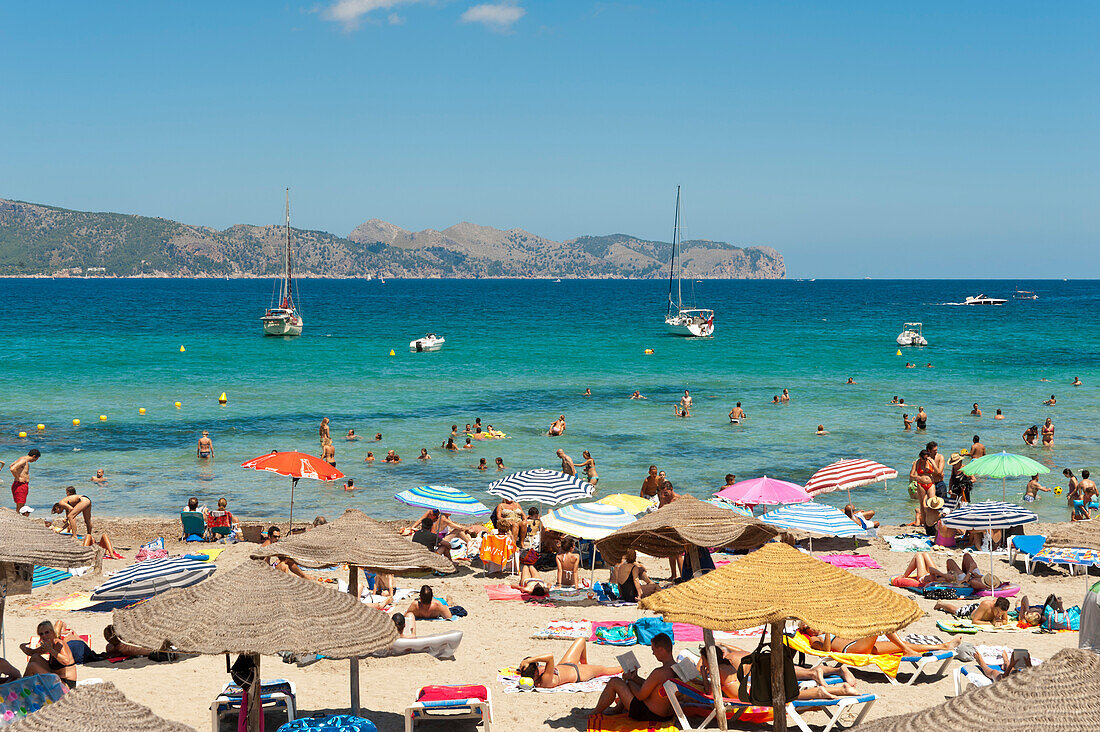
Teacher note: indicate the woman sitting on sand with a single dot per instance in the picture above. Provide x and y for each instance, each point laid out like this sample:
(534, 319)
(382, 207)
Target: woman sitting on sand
(52, 656)
(572, 668)
(631, 578)
(569, 564)
(872, 645)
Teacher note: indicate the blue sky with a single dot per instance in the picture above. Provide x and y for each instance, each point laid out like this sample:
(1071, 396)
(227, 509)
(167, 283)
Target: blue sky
(858, 138)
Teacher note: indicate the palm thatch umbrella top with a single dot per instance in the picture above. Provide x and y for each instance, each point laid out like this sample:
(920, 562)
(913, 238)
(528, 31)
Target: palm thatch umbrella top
(96, 708)
(1059, 695)
(356, 539)
(687, 521)
(254, 609)
(1076, 535)
(777, 582)
(23, 540)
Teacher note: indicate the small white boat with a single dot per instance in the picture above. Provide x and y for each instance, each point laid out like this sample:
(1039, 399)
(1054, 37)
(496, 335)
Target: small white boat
(283, 319)
(912, 335)
(692, 322)
(1024, 295)
(983, 300)
(430, 342)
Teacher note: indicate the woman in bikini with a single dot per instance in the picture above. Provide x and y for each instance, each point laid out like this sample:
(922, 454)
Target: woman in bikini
(589, 466)
(569, 564)
(52, 656)
(1048, 433)
(921, 474)
(530, 582)
(872, 645)
(572, 668)
(72, 506)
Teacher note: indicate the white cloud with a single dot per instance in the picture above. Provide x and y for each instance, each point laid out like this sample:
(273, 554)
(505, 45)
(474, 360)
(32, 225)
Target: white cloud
(395, 19)
(351, 12)
(496, 16)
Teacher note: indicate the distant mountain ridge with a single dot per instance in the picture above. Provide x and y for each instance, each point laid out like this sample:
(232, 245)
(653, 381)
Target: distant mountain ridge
(37, 239)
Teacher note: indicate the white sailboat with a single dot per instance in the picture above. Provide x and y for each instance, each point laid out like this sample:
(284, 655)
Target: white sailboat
(692, 322)
(284, 320)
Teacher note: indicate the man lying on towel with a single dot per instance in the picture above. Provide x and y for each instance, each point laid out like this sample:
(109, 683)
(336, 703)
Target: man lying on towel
(639, 698)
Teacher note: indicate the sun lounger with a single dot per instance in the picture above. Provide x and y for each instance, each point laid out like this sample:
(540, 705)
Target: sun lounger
(277, 696)
(684, 695)
(933, 663)
(450, 703)
(970, 674)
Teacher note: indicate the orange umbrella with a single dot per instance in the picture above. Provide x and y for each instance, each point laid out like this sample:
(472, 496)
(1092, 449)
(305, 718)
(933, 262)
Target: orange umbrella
(296, 465)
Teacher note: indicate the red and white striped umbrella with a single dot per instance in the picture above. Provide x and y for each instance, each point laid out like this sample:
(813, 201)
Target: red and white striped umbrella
(848, 474)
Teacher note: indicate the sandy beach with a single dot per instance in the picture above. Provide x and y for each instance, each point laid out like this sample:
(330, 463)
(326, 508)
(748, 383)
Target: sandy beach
(496, 634)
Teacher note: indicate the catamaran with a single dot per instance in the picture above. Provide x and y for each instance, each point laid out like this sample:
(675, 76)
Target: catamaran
(696, 322)
(284, 320)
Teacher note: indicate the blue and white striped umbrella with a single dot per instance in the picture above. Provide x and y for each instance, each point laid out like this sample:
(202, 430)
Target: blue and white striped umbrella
(988, 515)
(730, 505)
(814, 518)
(587, 520)
(444, 499)
(153, 576)
(545, 486)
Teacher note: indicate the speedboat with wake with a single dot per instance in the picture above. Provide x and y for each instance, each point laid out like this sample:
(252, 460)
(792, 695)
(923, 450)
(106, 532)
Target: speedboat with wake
(983, 300)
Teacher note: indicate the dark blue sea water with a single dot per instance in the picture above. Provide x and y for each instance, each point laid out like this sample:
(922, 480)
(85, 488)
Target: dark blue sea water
(518, 354)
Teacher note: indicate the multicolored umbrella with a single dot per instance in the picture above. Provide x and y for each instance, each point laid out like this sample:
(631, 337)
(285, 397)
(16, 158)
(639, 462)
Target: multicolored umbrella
(444, 499)
(587, 520)
(814, 518)
(1004, 465)
(627, 502)
(848, 474)
(545, 486)
(764, 491)
(295, 465)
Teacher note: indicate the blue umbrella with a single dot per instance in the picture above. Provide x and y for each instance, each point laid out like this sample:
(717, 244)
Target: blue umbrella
(444, 499)
(148, 578)
(814, 518)
(545, 486)
(987, 516)
(587, 520)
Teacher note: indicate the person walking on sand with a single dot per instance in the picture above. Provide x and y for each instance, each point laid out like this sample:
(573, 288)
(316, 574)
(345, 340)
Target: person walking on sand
(567, 465)
(205, 447)
(21, 474)
(977, 449)
(322, 431)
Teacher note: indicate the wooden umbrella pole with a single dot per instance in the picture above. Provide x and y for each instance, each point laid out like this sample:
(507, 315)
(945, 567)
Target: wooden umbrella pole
(779, 703)
(711, 651)
(253, 699)
(353, 590)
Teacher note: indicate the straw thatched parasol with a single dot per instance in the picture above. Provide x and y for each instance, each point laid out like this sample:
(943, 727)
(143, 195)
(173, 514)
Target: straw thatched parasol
(683, 526)
(778, 582)
(96, 708)
(256, 610)
(687, 521)
(1075, 535)
(357, 540)
(1059, 695)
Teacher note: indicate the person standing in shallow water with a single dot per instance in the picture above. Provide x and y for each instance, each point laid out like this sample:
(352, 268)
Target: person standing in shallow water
(205, 447)
(322, 431)
(21, 474)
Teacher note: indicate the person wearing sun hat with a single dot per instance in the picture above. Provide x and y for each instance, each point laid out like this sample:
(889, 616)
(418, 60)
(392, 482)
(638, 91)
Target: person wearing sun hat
(959, 484)
(932, 507)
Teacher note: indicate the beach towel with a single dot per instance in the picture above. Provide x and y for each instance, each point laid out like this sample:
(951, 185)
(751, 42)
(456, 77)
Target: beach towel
(509, 679)
(923, 640)
(850, 561)
(615, 635)
(957, 626)
(504, 592)
(623, 723)
(888, 664)
(909, 543)
(48, 576)
(565, 630)
(75, 601)
(497, 550)
(571, 594)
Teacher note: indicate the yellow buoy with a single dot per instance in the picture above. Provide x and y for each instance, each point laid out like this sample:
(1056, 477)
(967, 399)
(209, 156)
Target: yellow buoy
(41, 427)
(899, 351)
(649, 351)
(223, 399)
(178, 405)
(103, 418)
(76, 423)
(392, 353)
(22, 434)
(183, 350)
(141, 410)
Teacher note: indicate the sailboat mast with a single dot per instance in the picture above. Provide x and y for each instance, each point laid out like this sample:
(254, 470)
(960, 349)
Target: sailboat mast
(676, 248)
(288, 287)
(673, 271)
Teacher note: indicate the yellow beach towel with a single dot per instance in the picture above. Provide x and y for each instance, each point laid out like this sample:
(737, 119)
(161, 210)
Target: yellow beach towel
(212, 552)
(887, 663)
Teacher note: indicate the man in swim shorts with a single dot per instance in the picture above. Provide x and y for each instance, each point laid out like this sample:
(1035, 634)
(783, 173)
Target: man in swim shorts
(977, 450)
(938, 467)
(737, 414)
(993, 611)
(21, 474)
(1033, 488)
(205, 448)
(640, 698)
(567, 465)
(650, 484)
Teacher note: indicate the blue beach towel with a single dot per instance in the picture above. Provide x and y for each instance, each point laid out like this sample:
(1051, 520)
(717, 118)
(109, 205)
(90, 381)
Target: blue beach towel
(48, 575)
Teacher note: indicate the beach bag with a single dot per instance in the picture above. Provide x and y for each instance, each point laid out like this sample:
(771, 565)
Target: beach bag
(1068, 620)
(760, 670)
(530, 557)
(645, 629)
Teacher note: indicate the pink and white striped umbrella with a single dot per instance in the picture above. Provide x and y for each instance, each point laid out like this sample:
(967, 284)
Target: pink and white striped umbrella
(848, 474)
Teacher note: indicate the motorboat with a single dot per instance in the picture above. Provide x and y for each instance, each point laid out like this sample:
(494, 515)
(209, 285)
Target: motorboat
(284, 319)
(430, 342)
(912, 335)
(983, 300)
(692, 322)
(1024, 295)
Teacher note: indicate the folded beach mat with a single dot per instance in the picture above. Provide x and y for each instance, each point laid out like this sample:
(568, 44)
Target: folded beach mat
(48, 575)
(623, 723)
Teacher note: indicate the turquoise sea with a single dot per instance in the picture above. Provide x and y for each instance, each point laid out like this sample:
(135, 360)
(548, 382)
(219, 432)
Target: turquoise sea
(518, 354)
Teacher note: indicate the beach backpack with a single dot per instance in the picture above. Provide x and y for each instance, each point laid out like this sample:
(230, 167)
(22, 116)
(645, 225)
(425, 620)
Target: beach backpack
(760, 669)
(645, 629)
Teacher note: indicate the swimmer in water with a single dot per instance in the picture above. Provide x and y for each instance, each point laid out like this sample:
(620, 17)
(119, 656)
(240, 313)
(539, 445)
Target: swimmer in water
(377, 436)
(737, 414)
(910, 365)
(589, 466)
(850, 380)
(369, 458)
(1048, 433)
(500, 464)
(894, 400)
(482, 465)
(1051, 402)
(424, 454)
(557, 427)
(637, 395)
(469, 445)
(907, 422)
(785, 396)
(450, 444)
(685, 400)
(775, 399)
(1033, 488)
(350, 485)
(1076, 382)
(328, 453)
(97, 478)
(206, 446)
(351, 436)
(975, 412)
(681, 411)
(587, 392)
(454, 430)
(998, 415)
(928, 366)
(567, 465)
(922, 418)
(1031, 435)
(821, 430)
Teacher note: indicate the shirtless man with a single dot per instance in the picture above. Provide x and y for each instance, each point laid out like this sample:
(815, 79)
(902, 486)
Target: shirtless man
(737, 414)
(567, 465)
(351, 436)
(328, 453)
(1033, 488)
(650, 484)
(640, 698)
(322, 431)
(977, 450)
(1072, 489)
(426, 607)
(1087, 487)
(637, 395)
(850, 380)
(1076, 382)
(1051, 402)
(989, 611)
(685, 400)
(975, 412)
(99, 477)
(205, 447)
(21, 474)
(939, 465)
